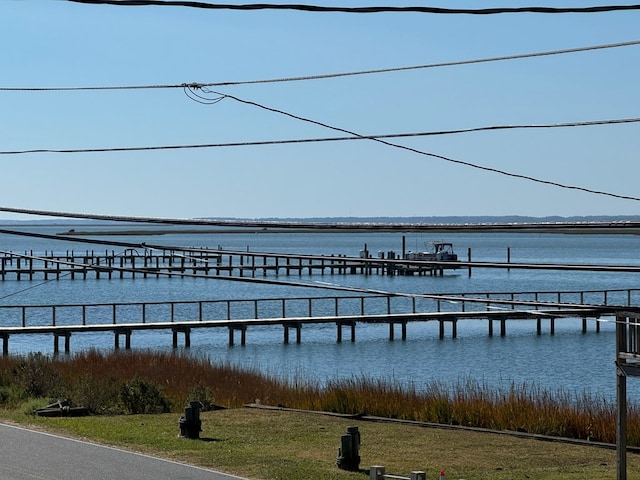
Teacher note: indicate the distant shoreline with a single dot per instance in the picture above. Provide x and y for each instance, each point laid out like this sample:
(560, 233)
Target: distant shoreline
(591, 229)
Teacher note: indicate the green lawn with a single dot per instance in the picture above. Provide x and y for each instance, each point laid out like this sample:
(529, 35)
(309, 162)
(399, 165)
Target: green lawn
(274, 445)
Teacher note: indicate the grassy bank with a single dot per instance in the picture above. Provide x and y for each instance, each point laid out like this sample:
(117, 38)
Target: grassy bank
(276, 445)
(144, 382)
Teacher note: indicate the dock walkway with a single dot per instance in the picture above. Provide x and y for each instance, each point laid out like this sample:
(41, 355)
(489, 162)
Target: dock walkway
(122, 319)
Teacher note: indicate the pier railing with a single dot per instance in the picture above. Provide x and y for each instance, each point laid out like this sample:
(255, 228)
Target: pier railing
(200, 310)
(114, 313)
(490, 300)
(62, 320)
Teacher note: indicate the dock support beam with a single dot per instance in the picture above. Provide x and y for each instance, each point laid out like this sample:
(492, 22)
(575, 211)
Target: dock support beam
(243, 334)
(67, 342)
(454, 326)
(187, 336)
(297, 326)
(503, 326)
(392, 326)
(552, 325)
(127, 338)
(352, 324)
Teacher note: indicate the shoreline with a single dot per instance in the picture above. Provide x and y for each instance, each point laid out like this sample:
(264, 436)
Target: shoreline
(567, 230)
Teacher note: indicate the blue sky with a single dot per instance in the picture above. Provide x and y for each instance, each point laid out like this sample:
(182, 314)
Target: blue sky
(51, 43)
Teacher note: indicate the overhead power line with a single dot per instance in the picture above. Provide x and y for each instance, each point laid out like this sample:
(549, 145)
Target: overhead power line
(319, 140)
(325, 76)
(428, 154)
(382, 9)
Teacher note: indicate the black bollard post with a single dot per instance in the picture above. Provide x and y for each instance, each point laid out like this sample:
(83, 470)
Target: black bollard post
(190, 423)
(349, 451)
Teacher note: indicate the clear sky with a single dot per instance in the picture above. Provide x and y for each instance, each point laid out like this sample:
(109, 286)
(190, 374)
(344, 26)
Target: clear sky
(54, 43)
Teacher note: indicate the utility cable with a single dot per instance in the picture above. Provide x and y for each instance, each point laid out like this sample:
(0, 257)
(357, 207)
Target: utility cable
(320, 226)
(383, 9)
(48, 260)
(327, 75)
(193, 250)
(433, 155)
(142, 271)
(319, 140)
(453, 298)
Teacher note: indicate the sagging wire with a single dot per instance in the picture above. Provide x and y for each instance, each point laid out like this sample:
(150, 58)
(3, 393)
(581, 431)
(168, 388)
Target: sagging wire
(58, 262)
(129, 246)
(222, 96)
(32, 287)
(299, 141)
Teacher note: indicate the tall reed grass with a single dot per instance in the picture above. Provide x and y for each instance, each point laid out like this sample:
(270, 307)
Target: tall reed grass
(135, 382)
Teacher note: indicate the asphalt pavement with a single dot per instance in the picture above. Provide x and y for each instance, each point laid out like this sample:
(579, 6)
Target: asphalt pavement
(33, 455)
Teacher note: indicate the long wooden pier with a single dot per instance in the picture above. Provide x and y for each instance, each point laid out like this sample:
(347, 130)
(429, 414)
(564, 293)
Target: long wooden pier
(153, 262)
(122, 319)
(146, 261)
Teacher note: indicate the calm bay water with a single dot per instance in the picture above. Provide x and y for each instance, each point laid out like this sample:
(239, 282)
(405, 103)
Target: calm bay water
(569, 360)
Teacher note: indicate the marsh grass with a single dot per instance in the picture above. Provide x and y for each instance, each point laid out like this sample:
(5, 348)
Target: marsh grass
(137, 382)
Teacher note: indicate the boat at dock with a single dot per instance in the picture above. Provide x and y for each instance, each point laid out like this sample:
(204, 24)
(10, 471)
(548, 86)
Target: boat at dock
(435, 251)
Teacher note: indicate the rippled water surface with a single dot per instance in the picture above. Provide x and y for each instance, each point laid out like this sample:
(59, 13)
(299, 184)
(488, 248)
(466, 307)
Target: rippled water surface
(569, 359)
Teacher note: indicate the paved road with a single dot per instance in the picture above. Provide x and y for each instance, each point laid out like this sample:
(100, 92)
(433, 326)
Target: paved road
(31, 455)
